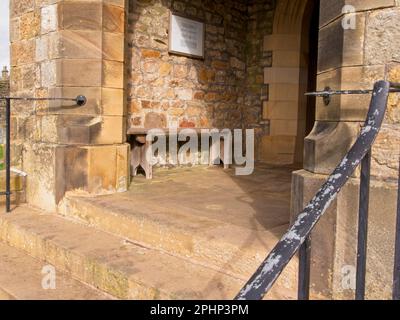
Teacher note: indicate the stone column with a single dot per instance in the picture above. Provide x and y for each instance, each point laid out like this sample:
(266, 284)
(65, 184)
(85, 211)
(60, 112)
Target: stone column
(353, 59)
(287, 81)
(61, 49)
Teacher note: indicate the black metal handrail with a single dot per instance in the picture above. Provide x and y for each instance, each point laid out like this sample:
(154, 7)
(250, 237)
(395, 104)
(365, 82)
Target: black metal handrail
(79, 100)
(297, 238)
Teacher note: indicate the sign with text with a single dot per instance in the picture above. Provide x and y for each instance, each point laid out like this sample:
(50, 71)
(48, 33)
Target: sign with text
(186, 36)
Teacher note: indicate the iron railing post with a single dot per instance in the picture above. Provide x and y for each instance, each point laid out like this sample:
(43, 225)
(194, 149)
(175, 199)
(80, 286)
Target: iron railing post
(396, 271)
(363, 226)
(8, 156)
(304, 270)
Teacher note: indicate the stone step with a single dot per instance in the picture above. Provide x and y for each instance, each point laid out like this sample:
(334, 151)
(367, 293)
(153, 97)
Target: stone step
(220, 245)
(119, 267)
(21, 279)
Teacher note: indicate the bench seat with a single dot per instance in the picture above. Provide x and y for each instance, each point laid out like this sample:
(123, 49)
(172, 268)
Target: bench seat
(141, 145)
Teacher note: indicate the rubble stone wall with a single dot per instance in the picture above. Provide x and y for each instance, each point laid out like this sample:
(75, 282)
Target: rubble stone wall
(225, 90)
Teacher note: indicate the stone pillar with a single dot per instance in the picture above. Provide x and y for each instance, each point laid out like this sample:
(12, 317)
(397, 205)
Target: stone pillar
(287, 79)
(353, 59)
(62, 49)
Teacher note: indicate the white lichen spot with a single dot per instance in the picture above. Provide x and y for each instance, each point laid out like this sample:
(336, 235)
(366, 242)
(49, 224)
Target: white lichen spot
(328, 190)
(270, 264)
(291, 235)
(366, 129)
(335, 177)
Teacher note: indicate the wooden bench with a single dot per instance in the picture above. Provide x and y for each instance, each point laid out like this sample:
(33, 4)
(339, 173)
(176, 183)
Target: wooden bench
(140, 146)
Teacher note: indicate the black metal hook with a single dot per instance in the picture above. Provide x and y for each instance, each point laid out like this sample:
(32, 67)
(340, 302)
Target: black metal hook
(327, 93)
(81, 100)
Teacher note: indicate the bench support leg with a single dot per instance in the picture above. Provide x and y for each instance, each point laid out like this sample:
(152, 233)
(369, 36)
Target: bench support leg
(139, 159)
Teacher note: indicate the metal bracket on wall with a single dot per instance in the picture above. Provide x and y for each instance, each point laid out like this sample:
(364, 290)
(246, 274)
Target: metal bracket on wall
(327, 93)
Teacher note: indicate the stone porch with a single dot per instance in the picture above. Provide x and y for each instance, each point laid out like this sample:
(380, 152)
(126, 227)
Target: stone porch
(58, 146)
(189, 233)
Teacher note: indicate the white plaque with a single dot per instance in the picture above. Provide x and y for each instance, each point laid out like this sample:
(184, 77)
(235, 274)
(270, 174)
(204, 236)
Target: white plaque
(186, 36)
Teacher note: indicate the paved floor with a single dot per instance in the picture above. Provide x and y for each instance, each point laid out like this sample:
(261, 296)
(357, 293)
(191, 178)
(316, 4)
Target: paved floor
(260, 201)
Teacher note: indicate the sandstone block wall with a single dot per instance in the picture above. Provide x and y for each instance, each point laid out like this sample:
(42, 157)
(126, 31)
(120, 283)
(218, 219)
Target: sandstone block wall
(353, 59)
(61, 49)
(4, 92)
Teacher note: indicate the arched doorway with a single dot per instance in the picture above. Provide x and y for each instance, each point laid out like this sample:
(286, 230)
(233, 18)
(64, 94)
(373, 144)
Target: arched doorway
(294, 47)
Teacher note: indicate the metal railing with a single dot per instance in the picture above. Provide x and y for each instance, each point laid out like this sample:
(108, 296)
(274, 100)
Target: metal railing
(79, 100)
(297, 238)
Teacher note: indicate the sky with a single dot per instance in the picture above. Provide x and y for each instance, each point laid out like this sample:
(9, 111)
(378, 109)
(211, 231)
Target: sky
(4, 34)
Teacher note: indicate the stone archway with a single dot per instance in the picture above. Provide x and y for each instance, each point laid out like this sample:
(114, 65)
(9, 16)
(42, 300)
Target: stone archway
(286, 108)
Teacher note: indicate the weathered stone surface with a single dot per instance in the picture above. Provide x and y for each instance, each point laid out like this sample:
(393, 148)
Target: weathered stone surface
(327, 144)
(54, 170)
(285, 127)
(346, 107)
(333, 9)
(192, 233)
(278, 149)
(48, 73)
(227, 74)
(113, 46)
(113, 102)
(109, 175)
(24, 281)
(40, 165)
(155, 120)
(17, 8)
(62, 49)
(91, 249)
(283, 92)
(14, 30)
(100, 175)
(85, 73)
(392, 115)
(29, 25)
(78, 129)
(113, 19)
(23, 52)
(282, 75)
(76, 44)
(386, 153)
(287, 42)
(282, 110)
(112, 74)
(341, 47)
(382, 36)
(49, 18)
(291, 59)
(80, 15)
(119, 3)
